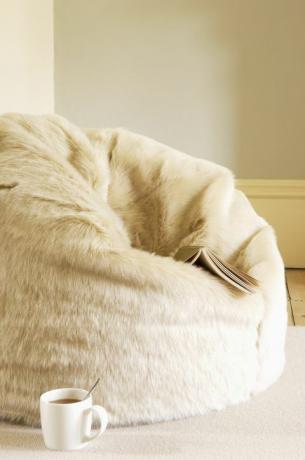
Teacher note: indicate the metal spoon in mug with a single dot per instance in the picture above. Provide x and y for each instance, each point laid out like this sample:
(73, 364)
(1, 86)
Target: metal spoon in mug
(91, 389)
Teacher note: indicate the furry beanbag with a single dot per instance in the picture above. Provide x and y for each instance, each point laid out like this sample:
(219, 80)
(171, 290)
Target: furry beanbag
(89, 221)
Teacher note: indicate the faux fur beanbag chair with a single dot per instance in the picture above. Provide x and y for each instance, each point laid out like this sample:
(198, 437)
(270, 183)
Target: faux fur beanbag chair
(89, 221)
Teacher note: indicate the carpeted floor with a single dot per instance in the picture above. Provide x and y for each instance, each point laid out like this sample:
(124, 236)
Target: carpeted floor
(270, 426)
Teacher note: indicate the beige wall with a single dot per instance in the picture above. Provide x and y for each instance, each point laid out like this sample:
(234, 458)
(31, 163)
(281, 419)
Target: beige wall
(26, 56)
(224, 80)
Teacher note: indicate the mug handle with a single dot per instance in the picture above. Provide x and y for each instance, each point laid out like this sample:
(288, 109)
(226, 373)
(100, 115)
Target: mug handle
(103, 418)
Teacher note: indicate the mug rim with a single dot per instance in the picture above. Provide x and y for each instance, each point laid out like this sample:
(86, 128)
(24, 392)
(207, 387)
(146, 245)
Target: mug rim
(44, 397)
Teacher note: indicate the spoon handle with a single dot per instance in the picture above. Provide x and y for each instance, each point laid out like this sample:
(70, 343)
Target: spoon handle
(92, 388)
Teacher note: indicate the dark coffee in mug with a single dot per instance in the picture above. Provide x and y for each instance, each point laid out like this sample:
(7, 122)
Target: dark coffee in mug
(65, 401)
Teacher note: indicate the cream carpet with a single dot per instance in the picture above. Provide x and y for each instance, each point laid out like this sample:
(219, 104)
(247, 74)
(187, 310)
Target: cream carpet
(270, 426)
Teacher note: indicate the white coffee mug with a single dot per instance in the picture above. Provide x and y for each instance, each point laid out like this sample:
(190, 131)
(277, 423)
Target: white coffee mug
(68, 426)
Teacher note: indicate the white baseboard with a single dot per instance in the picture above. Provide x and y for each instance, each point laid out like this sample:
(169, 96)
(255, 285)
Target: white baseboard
(282, 204)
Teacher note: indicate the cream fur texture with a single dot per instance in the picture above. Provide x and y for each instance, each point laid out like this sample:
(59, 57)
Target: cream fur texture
(89, 220)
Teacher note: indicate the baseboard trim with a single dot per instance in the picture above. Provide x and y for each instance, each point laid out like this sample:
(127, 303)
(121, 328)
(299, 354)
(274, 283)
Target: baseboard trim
(282, 204)
(266, 188)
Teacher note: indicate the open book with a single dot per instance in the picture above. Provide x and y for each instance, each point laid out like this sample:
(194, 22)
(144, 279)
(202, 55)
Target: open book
(205, 258)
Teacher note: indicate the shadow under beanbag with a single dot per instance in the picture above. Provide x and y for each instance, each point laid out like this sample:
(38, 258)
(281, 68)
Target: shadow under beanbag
(89, 222)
